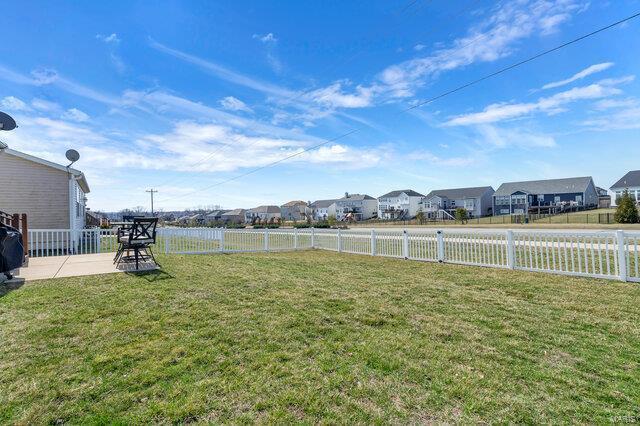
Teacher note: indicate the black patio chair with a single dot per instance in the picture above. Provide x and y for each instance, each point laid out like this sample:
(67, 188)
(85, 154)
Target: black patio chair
(139, 237)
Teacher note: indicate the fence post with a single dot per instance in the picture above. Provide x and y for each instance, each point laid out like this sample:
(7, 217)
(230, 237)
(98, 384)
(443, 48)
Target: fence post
(339, 240)
(313, 237)
(295, 238)
(98, 250)
(511, 250)
(440, 238)
(266, 239)
(405, 244)
(622, 258)
(167, 235)
(373, 242)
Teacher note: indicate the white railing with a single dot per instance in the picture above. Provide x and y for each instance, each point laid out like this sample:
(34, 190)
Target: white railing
(600, 254)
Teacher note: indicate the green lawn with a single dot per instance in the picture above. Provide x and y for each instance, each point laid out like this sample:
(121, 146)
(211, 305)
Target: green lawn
(319, 337)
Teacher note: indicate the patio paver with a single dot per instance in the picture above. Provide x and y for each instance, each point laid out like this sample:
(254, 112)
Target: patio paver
(40, 268)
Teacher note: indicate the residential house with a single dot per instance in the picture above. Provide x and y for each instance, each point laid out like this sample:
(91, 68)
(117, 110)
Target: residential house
(356, 207)
(295, 210)
(604, 199)
(53, 196)
(630, 182)
(442, 203)
(545, 196)
(214, 216)
(322, 209)
(265, 214)
(233, 216)
(400, 204)
(95, 219)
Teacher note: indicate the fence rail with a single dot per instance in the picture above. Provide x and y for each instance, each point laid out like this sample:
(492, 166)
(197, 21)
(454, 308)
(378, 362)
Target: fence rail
(600, 254)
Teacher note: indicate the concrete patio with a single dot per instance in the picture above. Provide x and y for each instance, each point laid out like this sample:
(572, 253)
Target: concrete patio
(41, 268)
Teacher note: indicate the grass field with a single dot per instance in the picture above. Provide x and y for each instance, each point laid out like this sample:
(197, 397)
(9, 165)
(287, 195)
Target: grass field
(319, 336)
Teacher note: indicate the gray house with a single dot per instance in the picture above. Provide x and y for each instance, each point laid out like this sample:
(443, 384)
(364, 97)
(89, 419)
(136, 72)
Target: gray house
(295, 210)
(400, 204)
(322, 209)
(630, 182)
(545, 196)
(262, 213)
(442, 203)
(356, 207)
(233, 216)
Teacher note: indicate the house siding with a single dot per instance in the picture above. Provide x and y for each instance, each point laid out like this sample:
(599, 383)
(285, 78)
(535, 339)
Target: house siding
(39, 191)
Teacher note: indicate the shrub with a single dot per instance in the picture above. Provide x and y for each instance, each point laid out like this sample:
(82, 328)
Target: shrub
(420, 217)
(461, 215)
(331, 220)
(626, 211)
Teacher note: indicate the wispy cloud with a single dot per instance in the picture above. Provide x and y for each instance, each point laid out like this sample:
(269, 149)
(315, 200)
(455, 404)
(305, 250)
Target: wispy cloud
(74, 114)
(431, 158)
(490, 40)
(224, 73)
(334, 96)
(580, 75)
(234, 104)
(266, 38)
(112, 38)
(549, 105)
(11, 103)
(496, 137)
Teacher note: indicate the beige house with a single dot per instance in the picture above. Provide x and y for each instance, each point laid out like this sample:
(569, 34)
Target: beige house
(52, 195)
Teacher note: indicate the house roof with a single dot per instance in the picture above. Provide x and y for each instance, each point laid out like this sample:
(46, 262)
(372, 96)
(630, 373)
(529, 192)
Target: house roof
(265, 209)
(549, 186)
(82, 181)
(409, 192)
(356, 197)
(460, 193)
(294, 203)
(631, 179)
(235, 212)
(322, 204)
(216, 213)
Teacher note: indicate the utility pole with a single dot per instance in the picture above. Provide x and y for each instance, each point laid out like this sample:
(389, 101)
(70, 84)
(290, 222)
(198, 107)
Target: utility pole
(151, 191)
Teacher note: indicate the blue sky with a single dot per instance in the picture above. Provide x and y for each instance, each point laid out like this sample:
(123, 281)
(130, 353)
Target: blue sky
(182, 95)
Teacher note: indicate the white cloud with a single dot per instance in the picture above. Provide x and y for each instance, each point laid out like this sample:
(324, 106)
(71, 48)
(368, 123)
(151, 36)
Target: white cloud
(580, 75)
(11, 103)
(333, 96)
(266, 38)
(75, 114)
(419, 47)
(490, 40)
(502, 138)
(550, 105)
(234, 104)
(113, 38)
(118, 63)
(616, 103)
(620, 119)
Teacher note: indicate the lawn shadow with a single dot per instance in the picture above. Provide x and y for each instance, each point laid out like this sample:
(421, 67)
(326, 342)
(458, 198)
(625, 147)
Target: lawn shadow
(8, 286)
(151, 275)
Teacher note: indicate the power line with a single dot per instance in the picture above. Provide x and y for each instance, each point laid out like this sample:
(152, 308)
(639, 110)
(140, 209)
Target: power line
(425, 102)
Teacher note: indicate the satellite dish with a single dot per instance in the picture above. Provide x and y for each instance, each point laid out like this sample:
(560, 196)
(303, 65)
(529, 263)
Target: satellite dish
(6, 122)
(72, 155)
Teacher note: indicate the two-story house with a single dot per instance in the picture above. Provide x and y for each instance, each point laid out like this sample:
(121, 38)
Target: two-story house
(356, 207)
(630, 182)
(400, 204)
(295, 210)
(262, 213)
(322, 209)
(545, 196)
(442, 203)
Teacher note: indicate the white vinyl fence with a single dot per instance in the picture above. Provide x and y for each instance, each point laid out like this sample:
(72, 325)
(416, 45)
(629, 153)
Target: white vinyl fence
(601, 254)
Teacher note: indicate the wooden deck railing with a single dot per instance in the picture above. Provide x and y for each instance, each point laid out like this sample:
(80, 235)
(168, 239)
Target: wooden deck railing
(18, 221)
